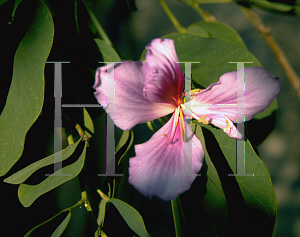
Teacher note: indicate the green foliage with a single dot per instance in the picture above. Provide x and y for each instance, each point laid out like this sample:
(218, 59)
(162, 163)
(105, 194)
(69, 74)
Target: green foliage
(26, 95)
(65, 222)
(29, 193)
(257, 202)
(131, 216)
(88, 123)
(108, 52)
(25, 173)
(3, 1)
(61, 228)
(217, 29)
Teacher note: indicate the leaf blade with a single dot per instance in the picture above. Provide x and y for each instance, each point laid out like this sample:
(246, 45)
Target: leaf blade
(25, 173)
(29, 193)
(133, 219)
(61, 228)
(26, 95)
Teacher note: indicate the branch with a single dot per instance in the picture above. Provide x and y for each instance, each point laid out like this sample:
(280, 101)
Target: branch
(173, 19)
(278, 52)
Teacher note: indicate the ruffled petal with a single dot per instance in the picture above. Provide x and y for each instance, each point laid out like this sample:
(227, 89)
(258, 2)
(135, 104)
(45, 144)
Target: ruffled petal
(165, 83)
(166, 169)
(126, 104)
(220, 98)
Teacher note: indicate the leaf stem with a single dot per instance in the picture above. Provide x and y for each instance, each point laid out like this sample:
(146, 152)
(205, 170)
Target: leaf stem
(276, 49)
(173, 19)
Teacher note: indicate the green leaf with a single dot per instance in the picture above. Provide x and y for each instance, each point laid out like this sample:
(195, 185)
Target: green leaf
(131, 216)
(3, 1)
(23, 174)
(29, 193)
(271, 6)
(123, 140)
(101, 214)
(45, 222)
(220, 30)
(212, 1)
(205, 202)
(252, 200)
(108, 52)
(88, 123)
(96, 23)
(26, 95)
(17, 2)
(179, 221)
(198, 30)
(61, 228)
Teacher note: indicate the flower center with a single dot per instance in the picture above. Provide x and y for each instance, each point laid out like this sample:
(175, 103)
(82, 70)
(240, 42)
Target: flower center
(189, 111)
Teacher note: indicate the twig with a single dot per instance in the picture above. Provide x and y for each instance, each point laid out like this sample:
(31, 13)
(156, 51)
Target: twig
(278, 52)
(173, 19)
(195, 5)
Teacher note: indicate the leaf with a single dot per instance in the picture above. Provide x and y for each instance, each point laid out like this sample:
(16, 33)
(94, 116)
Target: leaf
(271, 6)
(131, 216)
(61, 228)
(179, 221)
(88, 122)
(96, 23)
(123, 140)
(198, 30)
(205, 202)
(23, 174)
(26, 94)
(122, 143)
(252, 201)
(29, 193)
(108, 52)
(45, 222)
(220, 30)
(212, 1)
(101, 214)
(3, 1)
(17, 2)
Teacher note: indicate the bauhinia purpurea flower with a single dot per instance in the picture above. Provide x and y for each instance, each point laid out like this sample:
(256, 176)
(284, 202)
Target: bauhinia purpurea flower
(148, 90)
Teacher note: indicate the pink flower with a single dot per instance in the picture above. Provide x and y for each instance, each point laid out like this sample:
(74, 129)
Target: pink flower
(167, 164)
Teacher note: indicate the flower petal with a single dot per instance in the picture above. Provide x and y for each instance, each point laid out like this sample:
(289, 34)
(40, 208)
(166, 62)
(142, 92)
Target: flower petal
(165, 83)
(226, 124)
(166, 169)
(121, 94)
(220, 98)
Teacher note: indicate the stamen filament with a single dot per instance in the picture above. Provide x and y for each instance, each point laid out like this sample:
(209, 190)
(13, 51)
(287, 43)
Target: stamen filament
(182, 124)
(202, 119)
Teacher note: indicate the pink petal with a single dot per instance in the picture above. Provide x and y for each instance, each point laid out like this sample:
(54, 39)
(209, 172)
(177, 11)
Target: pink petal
(165, 169)
(165, 83)
(220, 98)
(226, 124)
(127, 105)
